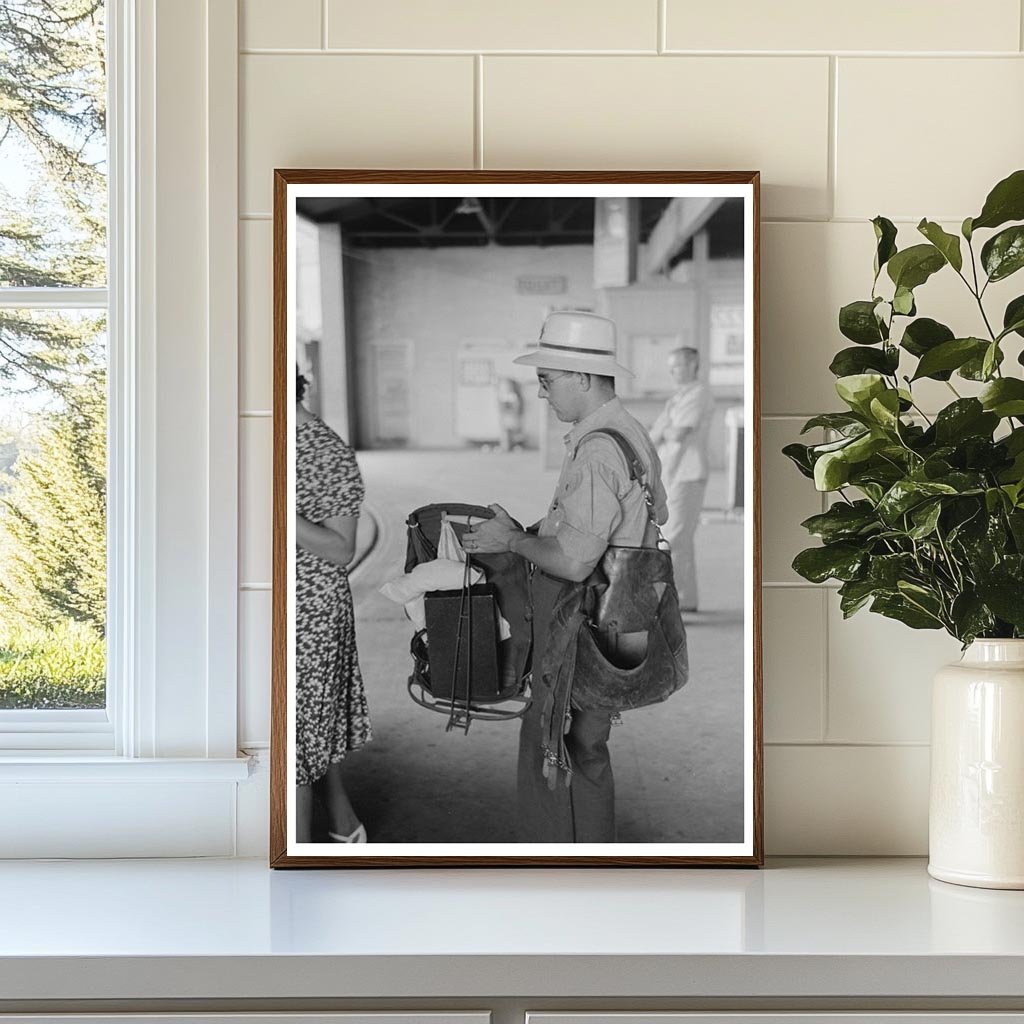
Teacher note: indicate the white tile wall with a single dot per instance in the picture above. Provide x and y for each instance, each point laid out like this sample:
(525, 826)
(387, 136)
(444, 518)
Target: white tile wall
(327, 110)
(793, 630)
(838, 138)
(699, 113)
(255, 356)
(846, 800)
(879, 677)
(874, 25)
(256, 510)
(961, 130)
(254, 611)
(470, 25)
(260, 25)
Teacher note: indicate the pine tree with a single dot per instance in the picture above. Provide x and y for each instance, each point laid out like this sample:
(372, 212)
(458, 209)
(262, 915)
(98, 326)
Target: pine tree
(53, 519)
(53, 234)
(53, 122)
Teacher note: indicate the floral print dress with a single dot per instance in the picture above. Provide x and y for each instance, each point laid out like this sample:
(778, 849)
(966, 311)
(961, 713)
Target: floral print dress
(331, 712)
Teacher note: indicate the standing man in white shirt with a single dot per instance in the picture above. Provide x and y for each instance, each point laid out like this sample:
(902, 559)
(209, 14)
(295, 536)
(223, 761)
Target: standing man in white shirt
(680, 434)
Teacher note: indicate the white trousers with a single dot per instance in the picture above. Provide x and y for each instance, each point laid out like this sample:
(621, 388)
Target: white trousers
(685, 501)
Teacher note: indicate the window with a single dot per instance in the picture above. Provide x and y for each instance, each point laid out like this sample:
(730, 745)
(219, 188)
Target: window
(53, 367)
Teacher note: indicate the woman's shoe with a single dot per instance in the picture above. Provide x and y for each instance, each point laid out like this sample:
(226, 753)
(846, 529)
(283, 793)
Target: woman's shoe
(358, 836)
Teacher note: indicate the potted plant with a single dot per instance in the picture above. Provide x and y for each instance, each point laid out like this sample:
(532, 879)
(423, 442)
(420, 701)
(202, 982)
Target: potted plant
(926, 524)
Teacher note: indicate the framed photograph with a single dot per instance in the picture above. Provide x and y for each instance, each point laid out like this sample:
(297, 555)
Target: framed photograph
(516, 558)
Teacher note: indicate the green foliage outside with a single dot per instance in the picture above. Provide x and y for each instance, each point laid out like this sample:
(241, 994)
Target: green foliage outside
(60, 667)
(53, 544)
(52, 365)
(927, 525)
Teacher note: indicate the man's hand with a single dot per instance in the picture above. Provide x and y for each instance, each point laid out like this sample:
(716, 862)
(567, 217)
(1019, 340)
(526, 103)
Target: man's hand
(492, 535)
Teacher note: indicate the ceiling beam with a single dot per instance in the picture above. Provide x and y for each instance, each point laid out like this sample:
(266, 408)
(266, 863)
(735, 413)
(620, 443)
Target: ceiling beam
(680, 221)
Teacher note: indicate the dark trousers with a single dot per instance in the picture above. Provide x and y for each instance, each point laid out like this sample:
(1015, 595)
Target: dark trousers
(584, 811)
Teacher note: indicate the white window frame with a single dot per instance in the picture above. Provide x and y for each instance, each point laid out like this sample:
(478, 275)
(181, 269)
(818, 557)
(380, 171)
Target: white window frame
(62, 730)
(171, 719)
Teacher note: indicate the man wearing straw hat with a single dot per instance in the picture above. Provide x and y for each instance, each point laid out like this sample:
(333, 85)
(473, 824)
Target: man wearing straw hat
(595, 504)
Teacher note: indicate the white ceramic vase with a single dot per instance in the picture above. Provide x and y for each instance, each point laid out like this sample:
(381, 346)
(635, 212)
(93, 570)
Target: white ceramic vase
(976, 813)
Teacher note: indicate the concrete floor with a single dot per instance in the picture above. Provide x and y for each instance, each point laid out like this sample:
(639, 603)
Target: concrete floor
(678, 766)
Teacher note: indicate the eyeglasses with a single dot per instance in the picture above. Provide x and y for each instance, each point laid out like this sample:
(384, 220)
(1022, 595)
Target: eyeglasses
(544, 383)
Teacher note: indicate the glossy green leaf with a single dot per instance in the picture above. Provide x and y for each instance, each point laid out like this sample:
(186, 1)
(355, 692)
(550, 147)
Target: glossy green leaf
(863, 447)
(849, 361)
(904, 495)
(886, 571)
(901, 609)
(964, 418)
(949, 356)
(925, 518)
(885, 409)
(843, 521)
(1004, 397)
(964, 481)
(831, 471)
(858, 389)
(903, 302)
(911, 267)
(1013, 317)
(1014, 441)
(974, 368)
(965, 229)
(1005, 202)
(840, 561)
(841, 421)
(1005, 597)
(996, 500)
(947, 244)
(885, 237)
(799, 455)
(854, 594)
(990, 361)
(923, 335)
(857, 321)
(817, 450)
(971, 617)
(1003, 254)
(1015, 519)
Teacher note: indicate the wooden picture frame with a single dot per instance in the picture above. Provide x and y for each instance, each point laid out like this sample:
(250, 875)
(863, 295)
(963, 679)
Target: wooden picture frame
(659, 235)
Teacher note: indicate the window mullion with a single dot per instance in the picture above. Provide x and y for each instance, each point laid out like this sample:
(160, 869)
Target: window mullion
(53, 298)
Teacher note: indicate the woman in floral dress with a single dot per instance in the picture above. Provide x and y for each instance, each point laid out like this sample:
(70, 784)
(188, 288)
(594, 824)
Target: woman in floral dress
(331, 712)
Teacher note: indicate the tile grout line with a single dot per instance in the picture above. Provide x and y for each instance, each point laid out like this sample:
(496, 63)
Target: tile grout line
(1020, 25)
(833, 134)
(323, 24)
(825, 723)
(851, 744)
(478, 111)
(662, 41)
(768, 55)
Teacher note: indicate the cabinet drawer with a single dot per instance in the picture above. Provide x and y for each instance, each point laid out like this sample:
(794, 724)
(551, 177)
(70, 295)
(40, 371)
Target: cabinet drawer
(852, 1017)
(361, 1017)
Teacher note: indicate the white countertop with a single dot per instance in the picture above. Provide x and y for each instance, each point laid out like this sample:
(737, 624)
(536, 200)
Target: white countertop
(234, 929)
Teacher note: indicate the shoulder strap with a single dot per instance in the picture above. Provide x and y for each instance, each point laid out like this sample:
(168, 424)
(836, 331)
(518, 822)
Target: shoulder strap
(635, 466)
(633, 463)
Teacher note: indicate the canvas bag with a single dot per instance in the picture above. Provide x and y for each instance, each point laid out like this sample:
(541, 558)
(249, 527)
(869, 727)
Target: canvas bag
(630, 596)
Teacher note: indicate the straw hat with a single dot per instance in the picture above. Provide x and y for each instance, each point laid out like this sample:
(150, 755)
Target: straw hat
(578, 342)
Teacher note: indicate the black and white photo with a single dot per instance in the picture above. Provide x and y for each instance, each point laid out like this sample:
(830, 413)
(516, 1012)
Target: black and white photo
(516, 569)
